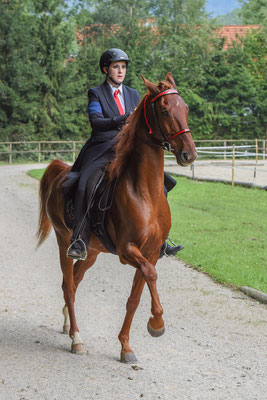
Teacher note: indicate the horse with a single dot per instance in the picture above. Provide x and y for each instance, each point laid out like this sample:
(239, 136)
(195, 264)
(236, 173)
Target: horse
(138, 220)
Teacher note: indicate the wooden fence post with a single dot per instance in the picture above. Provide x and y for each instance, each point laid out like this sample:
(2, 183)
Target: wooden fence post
(257, 150)
(193, 171)
(74, 151)
(39, 152)
(10, 154)
(224, 156)
(233, 167)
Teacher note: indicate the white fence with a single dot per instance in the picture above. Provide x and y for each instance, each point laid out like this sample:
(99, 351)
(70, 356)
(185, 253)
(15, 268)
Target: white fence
(41, 151)
(226, 155)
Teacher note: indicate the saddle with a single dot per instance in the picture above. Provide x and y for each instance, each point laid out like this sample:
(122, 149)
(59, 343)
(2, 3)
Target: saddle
(101, 202)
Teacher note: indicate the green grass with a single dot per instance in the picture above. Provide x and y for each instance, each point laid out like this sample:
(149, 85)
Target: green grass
(36, 173)
(223, 229)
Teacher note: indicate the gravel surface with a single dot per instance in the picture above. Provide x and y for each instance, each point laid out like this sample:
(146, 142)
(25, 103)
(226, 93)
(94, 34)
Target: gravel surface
(248, 173)
(215, 345)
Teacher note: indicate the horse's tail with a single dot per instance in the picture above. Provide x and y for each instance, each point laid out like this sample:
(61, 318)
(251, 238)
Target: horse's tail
(51, 172)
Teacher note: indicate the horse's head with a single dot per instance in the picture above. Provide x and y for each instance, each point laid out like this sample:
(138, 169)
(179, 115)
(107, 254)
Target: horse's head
(166, 115)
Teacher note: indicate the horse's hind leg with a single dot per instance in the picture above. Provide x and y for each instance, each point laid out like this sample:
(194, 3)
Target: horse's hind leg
(69, 289)
(73, 278)
(127, 355)
(66, 325)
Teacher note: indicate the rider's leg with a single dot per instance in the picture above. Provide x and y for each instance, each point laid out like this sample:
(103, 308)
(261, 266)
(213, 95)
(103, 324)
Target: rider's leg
(81, 236)
(84, 195)
(166, 248)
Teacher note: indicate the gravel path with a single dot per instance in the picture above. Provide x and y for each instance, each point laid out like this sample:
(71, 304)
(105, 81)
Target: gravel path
(215, 345)
(248, 173)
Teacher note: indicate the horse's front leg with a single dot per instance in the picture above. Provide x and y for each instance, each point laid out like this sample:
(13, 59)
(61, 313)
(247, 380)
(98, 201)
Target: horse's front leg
(146, 272)
(127, 355)
(155, 325)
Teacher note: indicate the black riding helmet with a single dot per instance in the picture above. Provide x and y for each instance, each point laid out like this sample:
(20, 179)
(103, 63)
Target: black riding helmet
(111, 56)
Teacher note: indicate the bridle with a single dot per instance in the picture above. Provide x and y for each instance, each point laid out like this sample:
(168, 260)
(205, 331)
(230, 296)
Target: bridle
(167, 141)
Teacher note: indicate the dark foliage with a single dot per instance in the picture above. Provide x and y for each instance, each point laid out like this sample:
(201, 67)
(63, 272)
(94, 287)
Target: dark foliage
(49, 57)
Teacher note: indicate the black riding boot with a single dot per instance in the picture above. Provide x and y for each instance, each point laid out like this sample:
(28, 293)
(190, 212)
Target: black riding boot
(166, 249)
(81, 232)
(169, 251)
(80, 240)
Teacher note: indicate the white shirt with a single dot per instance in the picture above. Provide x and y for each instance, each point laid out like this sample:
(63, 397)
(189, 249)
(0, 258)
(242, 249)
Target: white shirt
(120, 94)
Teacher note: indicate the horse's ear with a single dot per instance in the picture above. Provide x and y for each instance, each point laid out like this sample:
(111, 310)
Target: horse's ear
(151, 87)
(169, 78)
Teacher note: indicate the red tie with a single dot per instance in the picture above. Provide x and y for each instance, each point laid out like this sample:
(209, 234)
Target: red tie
(117, 101)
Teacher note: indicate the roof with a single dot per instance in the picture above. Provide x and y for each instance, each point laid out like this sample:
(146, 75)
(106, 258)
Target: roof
(231, 32)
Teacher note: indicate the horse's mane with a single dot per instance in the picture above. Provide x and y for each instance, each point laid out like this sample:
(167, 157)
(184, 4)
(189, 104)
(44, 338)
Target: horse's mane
(126, 137)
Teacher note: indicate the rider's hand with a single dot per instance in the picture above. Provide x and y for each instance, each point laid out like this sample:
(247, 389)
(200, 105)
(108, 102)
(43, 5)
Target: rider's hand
(120, 120)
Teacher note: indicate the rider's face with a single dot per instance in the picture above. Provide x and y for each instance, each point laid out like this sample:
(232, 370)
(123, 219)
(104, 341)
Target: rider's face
(117, 71)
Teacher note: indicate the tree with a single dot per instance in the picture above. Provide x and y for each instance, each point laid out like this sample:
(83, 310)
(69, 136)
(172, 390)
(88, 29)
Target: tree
(253, 11)
(122, 24)
(231, 18)
(49, 58)
(183, 47)
(254, 46)
(231, 89)
(39, 86)
(55, 40)
(17, 79)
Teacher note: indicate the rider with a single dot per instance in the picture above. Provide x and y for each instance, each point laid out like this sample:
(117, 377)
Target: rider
(109, 106)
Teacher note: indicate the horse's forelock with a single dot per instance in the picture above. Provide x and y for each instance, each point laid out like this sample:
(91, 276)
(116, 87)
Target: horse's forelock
(163, 85)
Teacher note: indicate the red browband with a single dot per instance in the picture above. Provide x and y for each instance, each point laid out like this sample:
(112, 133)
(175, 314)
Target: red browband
(168, 91)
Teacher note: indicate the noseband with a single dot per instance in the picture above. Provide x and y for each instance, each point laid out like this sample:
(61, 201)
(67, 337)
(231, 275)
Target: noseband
(167, 141)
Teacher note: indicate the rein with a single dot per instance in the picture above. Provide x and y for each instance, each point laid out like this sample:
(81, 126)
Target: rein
(167, 141)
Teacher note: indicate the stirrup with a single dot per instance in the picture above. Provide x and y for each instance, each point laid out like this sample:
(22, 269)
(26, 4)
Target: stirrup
(83, 254)
(166, 245)
(170, 251)
(169, 240)
(163, 250)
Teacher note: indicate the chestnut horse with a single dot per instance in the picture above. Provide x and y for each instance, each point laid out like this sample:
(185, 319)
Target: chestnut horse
(139, 219)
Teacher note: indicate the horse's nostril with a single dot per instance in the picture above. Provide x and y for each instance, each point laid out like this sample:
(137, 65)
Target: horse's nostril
(186, 156)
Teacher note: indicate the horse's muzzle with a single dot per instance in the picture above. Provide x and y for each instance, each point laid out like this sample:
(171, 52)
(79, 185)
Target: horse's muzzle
(185, 158)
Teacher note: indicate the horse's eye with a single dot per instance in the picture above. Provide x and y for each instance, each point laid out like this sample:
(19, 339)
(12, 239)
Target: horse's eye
(165, 112)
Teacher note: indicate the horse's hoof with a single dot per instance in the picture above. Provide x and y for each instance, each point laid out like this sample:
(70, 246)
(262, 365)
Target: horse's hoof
(155, 332)
(128, 358)
(66, 329)
(78, 348)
